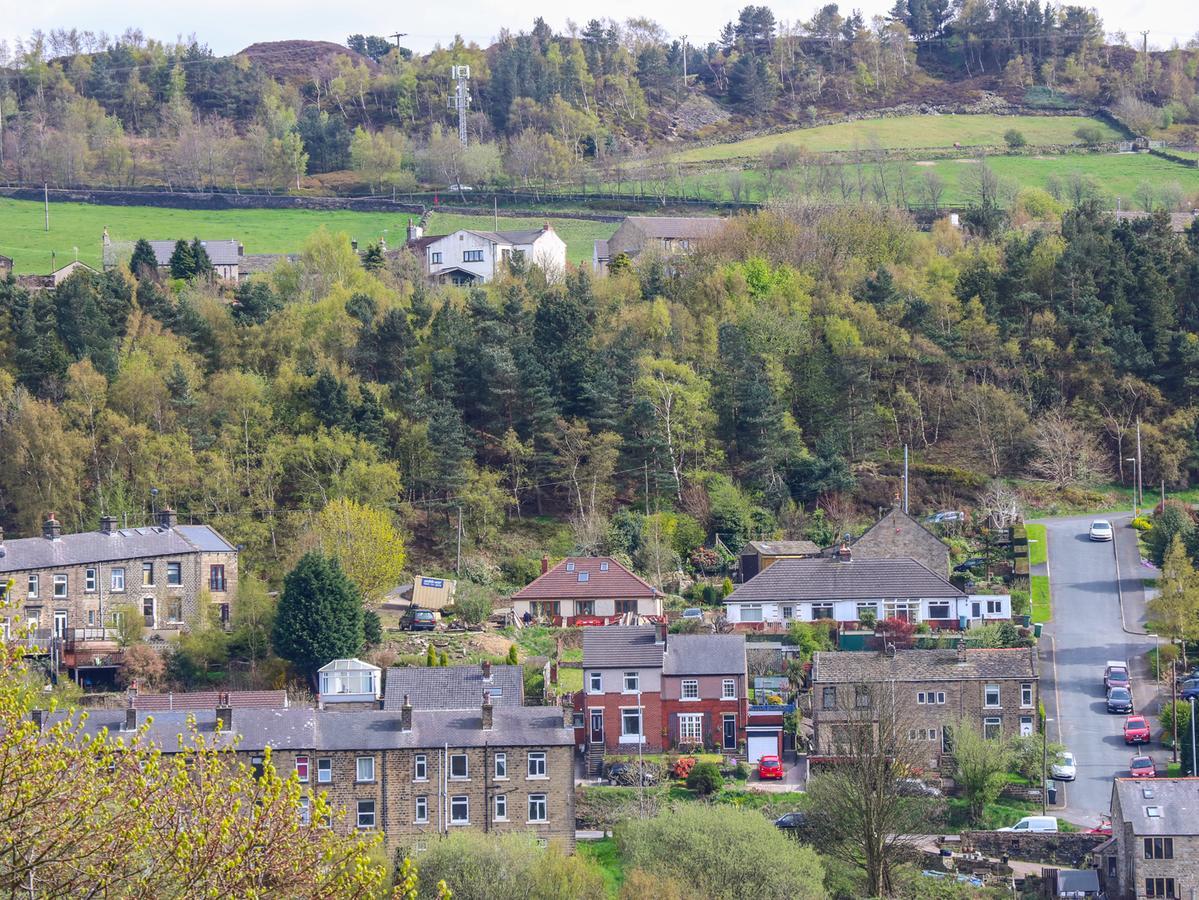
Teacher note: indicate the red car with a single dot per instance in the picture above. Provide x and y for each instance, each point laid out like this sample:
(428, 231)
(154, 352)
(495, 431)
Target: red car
(770, 767)
(1136, 730)
(1142, 767)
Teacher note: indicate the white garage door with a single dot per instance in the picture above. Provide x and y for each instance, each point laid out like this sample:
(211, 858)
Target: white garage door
(762, 745)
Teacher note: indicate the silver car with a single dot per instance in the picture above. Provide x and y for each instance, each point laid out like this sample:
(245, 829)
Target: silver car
(1064, 768)
(1101, 530)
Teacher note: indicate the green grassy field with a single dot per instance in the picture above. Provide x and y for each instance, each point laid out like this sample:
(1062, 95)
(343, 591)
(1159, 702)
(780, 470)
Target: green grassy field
(1038, 548)
(605, 854)
(77, 227)
(908, 132)
(1042, 610)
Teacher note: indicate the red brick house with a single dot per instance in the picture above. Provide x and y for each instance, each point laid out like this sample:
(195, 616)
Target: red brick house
(704, 695)
(586, 590)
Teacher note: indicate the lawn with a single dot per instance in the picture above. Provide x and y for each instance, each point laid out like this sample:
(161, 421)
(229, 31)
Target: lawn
(605, 854)
(908, 133)
(76, 228)
(1041, 609)
(1038, 548)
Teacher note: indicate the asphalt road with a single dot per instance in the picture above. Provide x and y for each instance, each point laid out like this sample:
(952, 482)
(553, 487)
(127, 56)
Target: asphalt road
(1087, 630)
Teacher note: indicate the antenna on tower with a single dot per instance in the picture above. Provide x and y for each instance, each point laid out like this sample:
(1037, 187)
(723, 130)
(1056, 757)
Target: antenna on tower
(460, 99)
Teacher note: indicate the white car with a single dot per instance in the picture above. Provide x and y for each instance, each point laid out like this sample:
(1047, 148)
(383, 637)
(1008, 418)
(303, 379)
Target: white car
(1064, 769)
(1101, 530)
(693, 612)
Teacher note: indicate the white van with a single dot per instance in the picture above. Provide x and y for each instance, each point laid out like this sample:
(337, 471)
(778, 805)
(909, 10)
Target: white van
(1034, 823)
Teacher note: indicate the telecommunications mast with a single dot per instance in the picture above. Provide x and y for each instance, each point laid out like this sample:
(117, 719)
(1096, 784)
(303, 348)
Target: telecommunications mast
(460, 99)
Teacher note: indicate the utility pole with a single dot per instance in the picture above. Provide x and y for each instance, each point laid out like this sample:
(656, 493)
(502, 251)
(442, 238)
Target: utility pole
(905, 478)
(684, 62)
(46, 199)
(1140, 471)
(458, 567)
(397, 36)
(460, 99)
(647, 487)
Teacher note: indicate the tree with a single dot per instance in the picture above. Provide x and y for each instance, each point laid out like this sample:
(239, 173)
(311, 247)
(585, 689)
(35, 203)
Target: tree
(253, 620)
(1029, 752)
(319, 617)
(472, 602)
(1066, 454)
(1172, 521)
(430, 656)
(704, 778)
(143, 263)
(679, 399)
(980, 767)
(183, 262)
(513, 659)
(512, 866)
(858, 811)
(364, 542)
(1174, 612)
(377, 156)
(717, 851)
(1014, 139)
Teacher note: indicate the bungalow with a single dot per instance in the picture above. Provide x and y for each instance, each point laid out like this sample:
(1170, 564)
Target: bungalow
(225, 256)
(667, 235)
(55, 278)
(586, 590)
(845, 589)
(896, 535)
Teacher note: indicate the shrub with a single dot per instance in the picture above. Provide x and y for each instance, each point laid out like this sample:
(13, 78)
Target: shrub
(705, 559)
(1014, 139)
(472, 603)
(705, 779)
(868, 619)
(682, 768)
(1089, 135)
(430, 656)
(478, 866)
(1140, 523)
(520, 570)
(1169, 710)
(513, 659)
(741, 772)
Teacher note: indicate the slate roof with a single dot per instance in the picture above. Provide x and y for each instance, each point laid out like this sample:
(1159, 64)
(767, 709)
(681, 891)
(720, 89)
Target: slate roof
(704, 654)
(922, 665)
(198, 700)
(452, 687)
(97, 547)
(833, 579)
(605, 578)
(1176, 799)
(897, 535)
(1076, 882)
(221, 253)
(783, 548)
(1179, 221)
(310, 729)
(600, 249)
(260, 263)
(613, 646)
(677, 226)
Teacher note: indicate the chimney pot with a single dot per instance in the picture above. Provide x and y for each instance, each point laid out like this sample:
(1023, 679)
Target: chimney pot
(486, 667)
(51, 528)
(406, 715)
(488, 711)
(545, 564)
(108, 524)
(224, 713)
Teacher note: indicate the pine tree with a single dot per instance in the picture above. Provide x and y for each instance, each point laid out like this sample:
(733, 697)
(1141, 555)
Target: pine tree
(183, 261)
(201, 263)
(430, 657)
(444, 660)
(331, 401)
(143, 263)
(372, 259)
(512, 658)
(319, 617)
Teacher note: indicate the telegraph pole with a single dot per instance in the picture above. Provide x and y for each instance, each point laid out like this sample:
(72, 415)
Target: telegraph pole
(684, 62)
(397, 36)
(1140, 474)
(905, 478)
(458, 567)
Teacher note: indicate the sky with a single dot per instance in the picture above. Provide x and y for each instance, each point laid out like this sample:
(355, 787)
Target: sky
(229, 25)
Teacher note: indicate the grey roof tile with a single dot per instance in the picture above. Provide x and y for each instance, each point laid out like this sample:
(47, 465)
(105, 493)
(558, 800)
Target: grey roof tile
(1176, 801)
(452, 687)
(621, 645)
(854, 667)
(96, 546)
(678, 226)
(221, 253)
(833, 579)
(704, 654)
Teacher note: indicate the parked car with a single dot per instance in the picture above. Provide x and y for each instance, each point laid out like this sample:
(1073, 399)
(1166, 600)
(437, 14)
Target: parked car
(417, 619)
(1101, 530)
(1136, 730)
(792, 821)
(947, 515)
(1116, 674)
(970, 565)
(693, 612)
(915, 787)
(1119, 700)
(770, 767)
(1142, 767)
(1189, 690)
(1034, 823)
(1104, 826)
(626, 774)
(1064, 768)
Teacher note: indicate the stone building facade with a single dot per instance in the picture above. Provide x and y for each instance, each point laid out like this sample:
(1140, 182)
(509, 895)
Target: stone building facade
(1154, 848)
(899, 535)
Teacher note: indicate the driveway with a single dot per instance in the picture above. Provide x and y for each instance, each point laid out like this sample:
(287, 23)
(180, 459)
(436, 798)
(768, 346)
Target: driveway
(1086, 631)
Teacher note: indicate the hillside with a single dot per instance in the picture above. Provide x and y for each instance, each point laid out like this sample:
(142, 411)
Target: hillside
(295, 61)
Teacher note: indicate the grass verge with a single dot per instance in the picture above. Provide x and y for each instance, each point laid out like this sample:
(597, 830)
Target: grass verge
(1042, 610)
(605, 854)
(1038, 547)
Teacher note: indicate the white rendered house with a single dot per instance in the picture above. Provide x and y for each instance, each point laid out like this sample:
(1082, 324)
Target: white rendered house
(469, 257)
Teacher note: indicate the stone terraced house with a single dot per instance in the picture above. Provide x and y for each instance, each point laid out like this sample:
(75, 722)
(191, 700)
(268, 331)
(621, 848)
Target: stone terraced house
(1154, 848)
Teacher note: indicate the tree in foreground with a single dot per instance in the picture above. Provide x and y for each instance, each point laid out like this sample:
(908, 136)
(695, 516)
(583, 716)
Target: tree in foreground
(143, 263)
(858, 811)
(980, 767)
(319, 618)
(364, 541)
(478, 866)
(721, 853)
(1174, 612)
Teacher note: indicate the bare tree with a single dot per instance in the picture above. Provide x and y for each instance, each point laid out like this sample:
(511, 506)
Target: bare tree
(1066, 453)
(1001, 505)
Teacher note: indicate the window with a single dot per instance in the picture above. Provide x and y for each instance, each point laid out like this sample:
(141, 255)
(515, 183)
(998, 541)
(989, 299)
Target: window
(174, 609)
(584, 576)
(570, 567)
(420, 767)
(690, 689)
(828, 698)
(691, 728)
(216, 578)
(458, 766)
(1160, 887)
(501, 808)
(751, 612)
(302, 768)
(501, 765)
(60, 586)
(994, 607)
(422, 810)
(305, 814)
(460, 810)
(116, 579)
(537, 811)
(861, 697)
(728, 689)
(366, 768)
(632, 682)
(788, 612)
(1026, 695)
(537, 764)
(472, 255)
(324, 770)
(174, 574)
(930, 697)
(89, 580)
(33, 585)
(148, 610)
(822, 611)
(595, 682)
(1159, 848)
(991, 695)
(584, 607)
(147, 573)
(992, 728)
(258, 764)
(938, 610)
(603, 567)
(630, 723)
(91, 617)
(366, 814)
(435, 257)
(866, 610)
(905, 610)
(625, 606)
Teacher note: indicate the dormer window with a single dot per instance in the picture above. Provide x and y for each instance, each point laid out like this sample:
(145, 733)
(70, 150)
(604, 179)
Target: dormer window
(603, 567)
(583, 576)
(570, 567)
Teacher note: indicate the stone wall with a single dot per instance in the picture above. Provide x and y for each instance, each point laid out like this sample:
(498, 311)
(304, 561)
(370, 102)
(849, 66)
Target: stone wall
(1069, 850)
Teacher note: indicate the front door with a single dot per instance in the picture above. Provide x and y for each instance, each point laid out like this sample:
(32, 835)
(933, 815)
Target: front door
(60, 623)
(1026, 726)
(730, 732)
(976, 610)
(148, 611)
(597, 726)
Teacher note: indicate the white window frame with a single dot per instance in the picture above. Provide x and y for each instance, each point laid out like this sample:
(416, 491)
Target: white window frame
(89, 581)
(460, 800)
(360, 812)
(640, 732)
(465, 776)
(728, 689)
(595, 682)
(635, 679)
(866, 607)
(306, 774)
(987, 690)
(33, 586)
(939, 605)
(691, 728)
(148, 569)
(501, 808)
(538, 803)
(420, 767)
(116, 579)
(324, 770)
(305, 811)
(499, 771)
(538, 765)
(689, 689)
(358, 764)
(751, 612)
(176, 569)
(788, 612)
(822, 607)
(1026, 695)
(420, 812)
(60, 581)
(993, 722)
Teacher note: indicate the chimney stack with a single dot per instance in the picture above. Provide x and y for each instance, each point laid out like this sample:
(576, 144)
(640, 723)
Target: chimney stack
(38, 717)
(415, 232)
(406, 715)
(130, 718)
(108, 524)
(224, 713)
(568, 713)
(961, 651)
(660, 633)
(486, 666)
(844, 554)
(51, 528)
(167, 518)
(354, 245)
(488, 711)
(545, 564)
